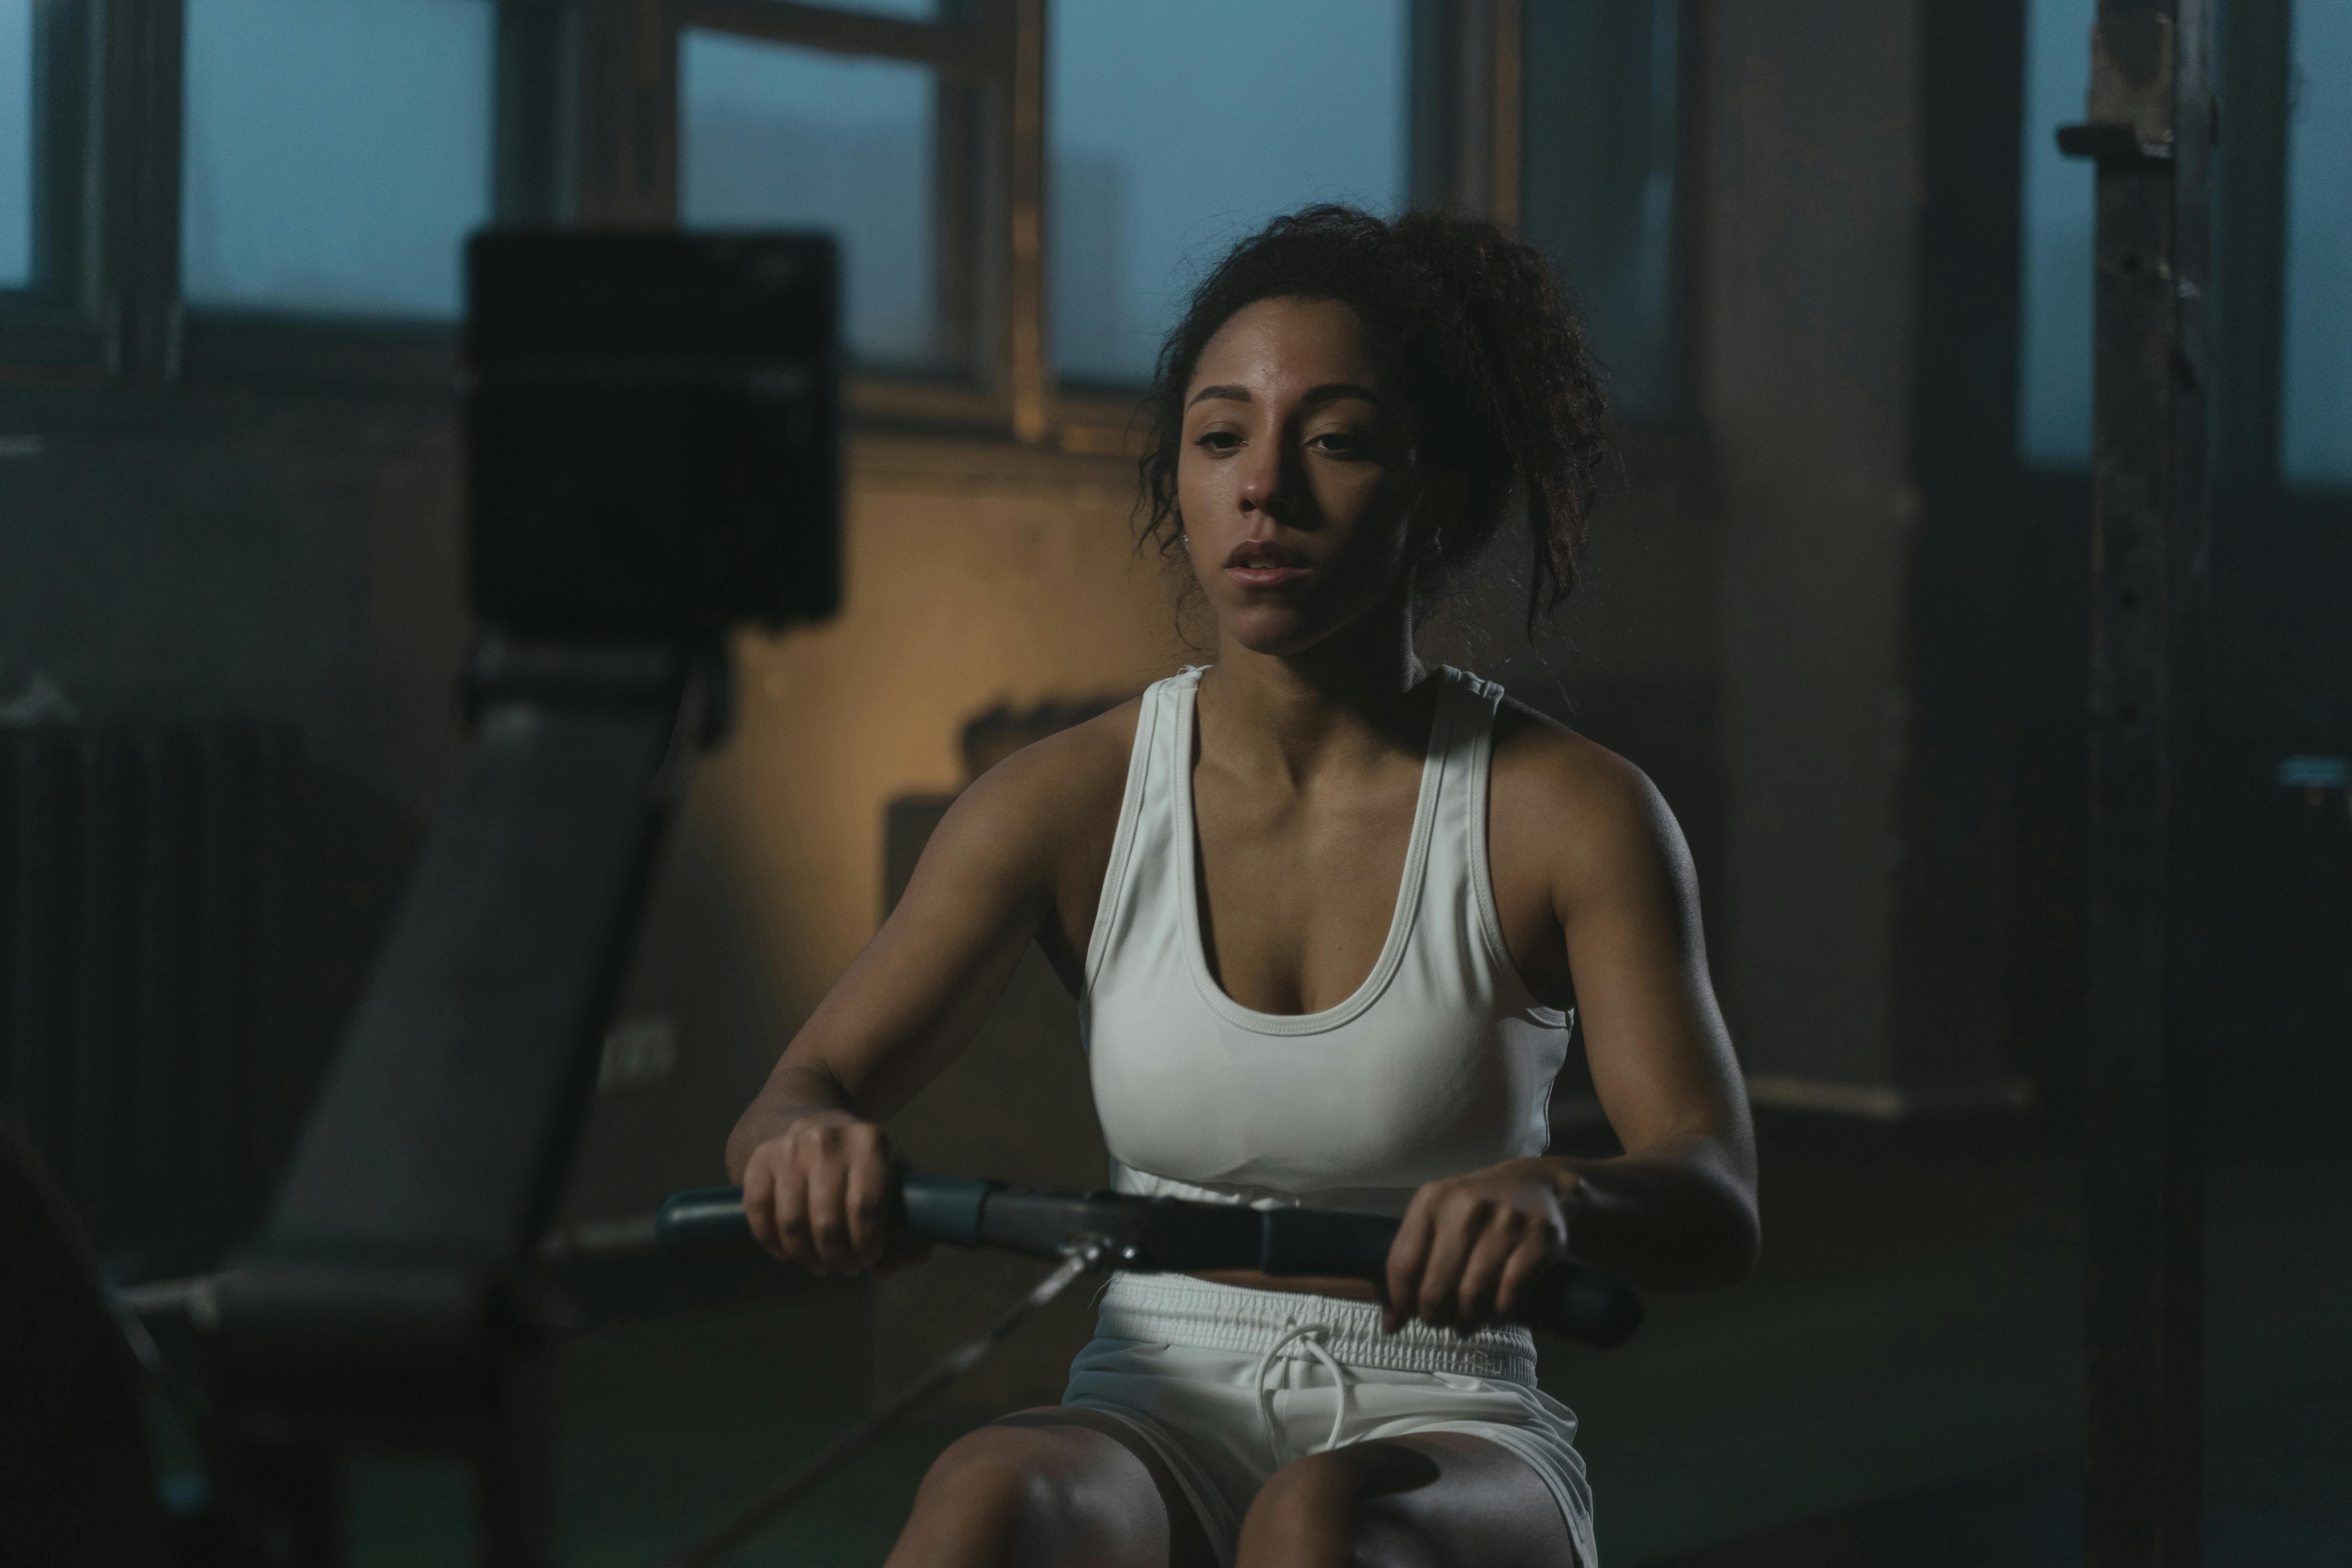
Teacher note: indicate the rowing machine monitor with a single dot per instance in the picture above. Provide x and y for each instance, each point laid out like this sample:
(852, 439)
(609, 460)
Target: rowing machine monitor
(651, 424)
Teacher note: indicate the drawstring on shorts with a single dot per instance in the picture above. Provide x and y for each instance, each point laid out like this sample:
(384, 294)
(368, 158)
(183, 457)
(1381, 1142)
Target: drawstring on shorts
(1311, 1335)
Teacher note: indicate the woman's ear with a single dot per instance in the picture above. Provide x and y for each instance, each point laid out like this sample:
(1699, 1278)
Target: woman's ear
(1437, 511)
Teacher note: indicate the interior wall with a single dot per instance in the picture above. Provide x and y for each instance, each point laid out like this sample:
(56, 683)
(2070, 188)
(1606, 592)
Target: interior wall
(175, 558)
(977, 573)
(1810, 197)
(245, 553)
(1634, 658)
(183, 555)
(1968, 905)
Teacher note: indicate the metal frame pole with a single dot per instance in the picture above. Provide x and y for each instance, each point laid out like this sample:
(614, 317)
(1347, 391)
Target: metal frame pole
(2151, 122)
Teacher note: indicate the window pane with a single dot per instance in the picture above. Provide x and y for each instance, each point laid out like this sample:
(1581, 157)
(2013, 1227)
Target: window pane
(2054, 405)
(2315, 415)
(778, 137)
(1175, 130)
(15, 143)
(338, 152)
(1600, 144)
(906, 10)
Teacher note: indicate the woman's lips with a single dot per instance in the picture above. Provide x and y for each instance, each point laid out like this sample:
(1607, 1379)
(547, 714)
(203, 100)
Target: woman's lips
(1264, 576)
(1262, 563)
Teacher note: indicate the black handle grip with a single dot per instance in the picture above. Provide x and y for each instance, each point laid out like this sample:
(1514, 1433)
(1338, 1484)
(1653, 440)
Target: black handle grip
(1571, 1300)
(1575, 1303)
(937, 1208)
(704, 1220)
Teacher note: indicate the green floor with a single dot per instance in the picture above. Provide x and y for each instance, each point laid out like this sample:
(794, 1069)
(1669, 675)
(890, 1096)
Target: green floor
(1916, 1323)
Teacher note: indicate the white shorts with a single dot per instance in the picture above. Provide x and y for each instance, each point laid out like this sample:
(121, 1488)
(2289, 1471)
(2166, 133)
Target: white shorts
(1228, 1386)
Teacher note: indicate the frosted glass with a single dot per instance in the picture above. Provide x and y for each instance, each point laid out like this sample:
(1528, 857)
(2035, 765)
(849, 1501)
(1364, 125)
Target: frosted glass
(16, 183)
(2054, 405)
(779, 137)
(2315, 390)
(1175, 130)
(338, 151)
(1601, 140)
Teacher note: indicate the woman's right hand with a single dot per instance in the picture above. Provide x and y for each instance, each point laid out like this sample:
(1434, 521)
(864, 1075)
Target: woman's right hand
(822, 1195)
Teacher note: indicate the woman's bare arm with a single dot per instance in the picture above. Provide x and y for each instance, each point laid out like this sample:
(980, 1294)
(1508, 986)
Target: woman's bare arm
(814, 1163)
(1676, 1210)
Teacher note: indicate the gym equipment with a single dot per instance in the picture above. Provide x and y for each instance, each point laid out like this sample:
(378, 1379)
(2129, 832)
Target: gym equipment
(653, 439)
(1084, 1231)
(1571, 1300)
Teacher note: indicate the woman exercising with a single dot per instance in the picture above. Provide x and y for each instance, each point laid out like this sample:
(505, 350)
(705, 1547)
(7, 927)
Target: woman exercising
(1329, 914)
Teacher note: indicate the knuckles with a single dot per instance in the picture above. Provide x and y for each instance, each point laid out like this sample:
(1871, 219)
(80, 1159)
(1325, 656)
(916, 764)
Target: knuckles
(797, 1191)
(1468, 1248)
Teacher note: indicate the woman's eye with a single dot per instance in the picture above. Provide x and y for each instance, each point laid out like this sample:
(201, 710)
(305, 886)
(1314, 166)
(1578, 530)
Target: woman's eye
(1217, 441)
(1339, 444)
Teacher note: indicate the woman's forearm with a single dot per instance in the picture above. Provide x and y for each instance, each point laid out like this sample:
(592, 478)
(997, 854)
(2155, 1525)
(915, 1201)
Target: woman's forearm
(1679, 1215)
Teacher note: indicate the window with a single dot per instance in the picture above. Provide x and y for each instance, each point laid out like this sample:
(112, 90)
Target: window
(2054, 401)
(1166, 143)
(2316, 394)
(907, 10)
(1600, 159)
(16, 183)
(776, 136)
(1023, 189)
(337, 152)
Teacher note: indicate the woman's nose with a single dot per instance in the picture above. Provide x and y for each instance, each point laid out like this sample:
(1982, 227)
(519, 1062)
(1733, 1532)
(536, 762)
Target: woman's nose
(1264, 480)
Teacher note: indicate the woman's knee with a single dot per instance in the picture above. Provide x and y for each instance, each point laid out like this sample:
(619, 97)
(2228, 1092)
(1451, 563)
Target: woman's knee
(1001, 1474)
(1305, 1514)
(1329, 1510)
(1015, 1494)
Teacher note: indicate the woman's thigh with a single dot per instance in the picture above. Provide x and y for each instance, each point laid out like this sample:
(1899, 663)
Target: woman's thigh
(1056, 1488)
(1439, 1500)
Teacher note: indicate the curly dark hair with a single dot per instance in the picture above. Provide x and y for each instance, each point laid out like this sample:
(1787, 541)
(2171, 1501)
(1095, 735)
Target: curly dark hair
(1489, 349)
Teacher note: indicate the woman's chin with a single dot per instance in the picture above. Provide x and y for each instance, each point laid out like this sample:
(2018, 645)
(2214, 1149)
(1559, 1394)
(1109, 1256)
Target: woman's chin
(1275, 634)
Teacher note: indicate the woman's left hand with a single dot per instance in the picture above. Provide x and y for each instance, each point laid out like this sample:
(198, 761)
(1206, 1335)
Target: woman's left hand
(1470, 1245)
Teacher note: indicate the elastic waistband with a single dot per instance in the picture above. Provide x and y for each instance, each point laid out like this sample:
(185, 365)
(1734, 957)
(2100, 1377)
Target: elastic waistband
(1178, 1310)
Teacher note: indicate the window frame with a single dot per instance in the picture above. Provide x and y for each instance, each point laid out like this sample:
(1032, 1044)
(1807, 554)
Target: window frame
(65, 320)
(1463, 151)
(2249, 259)
(311, 350)
(585, 119)
(988, 56)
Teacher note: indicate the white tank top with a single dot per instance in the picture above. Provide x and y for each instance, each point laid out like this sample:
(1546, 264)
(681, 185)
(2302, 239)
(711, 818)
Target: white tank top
(1441, 1062)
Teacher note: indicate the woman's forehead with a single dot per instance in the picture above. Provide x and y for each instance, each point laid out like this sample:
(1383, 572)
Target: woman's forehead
(1305, 343)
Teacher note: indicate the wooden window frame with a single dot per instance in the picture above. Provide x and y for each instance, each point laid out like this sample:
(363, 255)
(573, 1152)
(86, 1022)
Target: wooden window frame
(586, 133)
(88, 313)
(987, 191)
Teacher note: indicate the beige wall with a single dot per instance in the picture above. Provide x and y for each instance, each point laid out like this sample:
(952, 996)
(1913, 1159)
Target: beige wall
(977, 572)
(1810, 208)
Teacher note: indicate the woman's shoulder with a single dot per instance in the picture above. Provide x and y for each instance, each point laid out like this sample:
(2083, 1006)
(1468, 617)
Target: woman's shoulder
(1061, 783)
(1546, 773)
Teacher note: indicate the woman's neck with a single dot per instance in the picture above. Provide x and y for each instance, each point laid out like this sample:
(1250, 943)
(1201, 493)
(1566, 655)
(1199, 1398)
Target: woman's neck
(1344, 702)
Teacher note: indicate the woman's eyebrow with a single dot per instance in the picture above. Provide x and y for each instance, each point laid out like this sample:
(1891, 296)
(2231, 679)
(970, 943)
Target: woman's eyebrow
(1329, 391)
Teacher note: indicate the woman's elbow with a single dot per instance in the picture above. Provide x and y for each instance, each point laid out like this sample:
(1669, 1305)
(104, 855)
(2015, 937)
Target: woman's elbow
(1729, 1240)
(1743, 1242)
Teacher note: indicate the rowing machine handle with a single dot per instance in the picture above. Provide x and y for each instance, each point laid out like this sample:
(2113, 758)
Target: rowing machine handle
(1571, 1300)
(710, 1219)
(1588, 1305)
